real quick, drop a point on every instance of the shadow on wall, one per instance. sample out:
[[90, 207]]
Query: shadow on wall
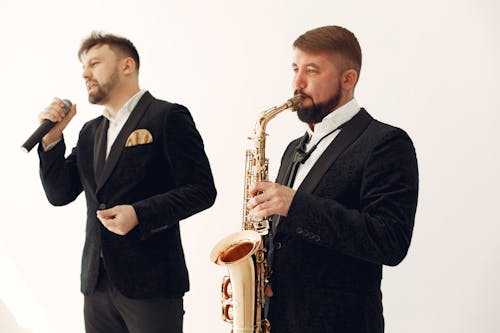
[[8, 323]]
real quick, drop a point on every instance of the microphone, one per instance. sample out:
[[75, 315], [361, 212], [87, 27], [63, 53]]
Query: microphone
[[43, 129]]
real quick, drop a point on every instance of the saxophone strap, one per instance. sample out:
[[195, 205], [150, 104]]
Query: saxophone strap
[[300, 155]]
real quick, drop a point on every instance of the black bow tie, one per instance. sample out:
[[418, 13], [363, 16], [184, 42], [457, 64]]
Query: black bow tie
[[301, 155]]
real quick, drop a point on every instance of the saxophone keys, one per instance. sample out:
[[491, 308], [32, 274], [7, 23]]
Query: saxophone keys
[[227, 313], [227, 290]]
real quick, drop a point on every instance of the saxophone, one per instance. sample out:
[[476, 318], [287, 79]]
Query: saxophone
[[243, 252]]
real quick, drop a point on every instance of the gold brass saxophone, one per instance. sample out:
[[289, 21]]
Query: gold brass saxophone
[[243, 252]]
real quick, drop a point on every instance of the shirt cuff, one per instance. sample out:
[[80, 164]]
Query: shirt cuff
[[49, 147]]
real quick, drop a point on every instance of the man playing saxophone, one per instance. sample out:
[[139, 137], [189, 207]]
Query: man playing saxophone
[[344, 201]]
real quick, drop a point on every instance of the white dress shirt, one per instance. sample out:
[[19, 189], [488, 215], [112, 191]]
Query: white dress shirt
[[328, 124], [116, 123]]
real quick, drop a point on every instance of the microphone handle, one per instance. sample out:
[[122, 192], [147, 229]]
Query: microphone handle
[[40, 132], [43, 129]]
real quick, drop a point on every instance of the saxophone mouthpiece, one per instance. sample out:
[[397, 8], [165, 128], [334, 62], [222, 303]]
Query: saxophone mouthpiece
[[294, 102]]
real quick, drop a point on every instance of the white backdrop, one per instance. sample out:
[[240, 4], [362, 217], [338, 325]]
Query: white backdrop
[[430, 67]]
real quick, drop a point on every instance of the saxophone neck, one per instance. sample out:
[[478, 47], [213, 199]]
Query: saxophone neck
[[267, 115]]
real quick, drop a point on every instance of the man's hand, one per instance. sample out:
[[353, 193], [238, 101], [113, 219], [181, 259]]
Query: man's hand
[[119, 219], [270, 198], [55, 113]]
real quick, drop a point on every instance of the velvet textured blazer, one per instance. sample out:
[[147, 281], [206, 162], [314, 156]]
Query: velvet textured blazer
[[353, 213], [166, 177]]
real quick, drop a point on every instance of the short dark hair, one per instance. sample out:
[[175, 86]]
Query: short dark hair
[[333, 39], [116, 43]]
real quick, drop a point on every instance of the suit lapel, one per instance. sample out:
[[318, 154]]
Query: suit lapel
[[119, 144], [350, 132], [100, 143]]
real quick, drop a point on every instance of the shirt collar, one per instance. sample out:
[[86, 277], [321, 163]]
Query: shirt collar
[[335, 119], [126, 109]]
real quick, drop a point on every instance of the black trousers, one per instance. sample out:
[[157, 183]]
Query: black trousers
[[108, 311]]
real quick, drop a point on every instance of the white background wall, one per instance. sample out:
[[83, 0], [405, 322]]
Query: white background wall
[[430, 67]]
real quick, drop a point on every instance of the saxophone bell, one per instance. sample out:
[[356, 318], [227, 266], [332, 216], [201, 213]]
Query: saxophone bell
[[237, 291], [235, 247]]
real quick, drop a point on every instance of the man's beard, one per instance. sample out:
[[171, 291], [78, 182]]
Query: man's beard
[[101, 93], [316, 112]]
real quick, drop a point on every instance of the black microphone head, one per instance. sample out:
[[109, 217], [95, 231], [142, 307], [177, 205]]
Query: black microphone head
[[67, 105]]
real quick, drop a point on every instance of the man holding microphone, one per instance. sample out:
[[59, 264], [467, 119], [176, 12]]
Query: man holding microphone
[[143, 168]]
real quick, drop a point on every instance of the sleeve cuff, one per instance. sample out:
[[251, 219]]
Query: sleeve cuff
[[49, 147]]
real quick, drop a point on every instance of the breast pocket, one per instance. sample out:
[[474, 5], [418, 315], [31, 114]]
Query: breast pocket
[[134, 163], [136, 156]]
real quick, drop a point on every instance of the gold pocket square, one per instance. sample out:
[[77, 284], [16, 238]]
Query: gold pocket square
[[139, 137]]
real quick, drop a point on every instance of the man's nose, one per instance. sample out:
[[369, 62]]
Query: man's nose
[[298, 81], [85, 73]]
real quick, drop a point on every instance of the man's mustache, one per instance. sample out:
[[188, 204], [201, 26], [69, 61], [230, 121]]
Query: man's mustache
[[303, 96], [298, 92]]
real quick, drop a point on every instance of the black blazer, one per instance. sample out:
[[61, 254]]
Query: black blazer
[[166, 180], [353, 213]]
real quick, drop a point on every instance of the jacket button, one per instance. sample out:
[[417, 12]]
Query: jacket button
[[277, 245], [299, 230], [102, 206]]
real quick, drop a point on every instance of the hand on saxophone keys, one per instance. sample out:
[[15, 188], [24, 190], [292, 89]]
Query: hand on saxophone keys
[[270, 198]]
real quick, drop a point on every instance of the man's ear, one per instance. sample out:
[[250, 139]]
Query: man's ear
[[128, 65], [349, 79]]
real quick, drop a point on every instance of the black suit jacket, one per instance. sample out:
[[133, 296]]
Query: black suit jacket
[[166, 181], [353, 213]]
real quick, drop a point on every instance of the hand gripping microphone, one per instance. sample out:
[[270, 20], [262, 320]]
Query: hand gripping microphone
[[43, 129]]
